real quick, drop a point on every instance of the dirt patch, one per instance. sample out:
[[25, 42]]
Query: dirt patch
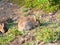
[[7, 10]]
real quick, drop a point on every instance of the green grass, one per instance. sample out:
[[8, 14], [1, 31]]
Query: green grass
[[10, 35], [28, 43], [47, 34], [46, 31], [45, 5]]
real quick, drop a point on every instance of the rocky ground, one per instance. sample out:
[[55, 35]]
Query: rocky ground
[[7, 10]]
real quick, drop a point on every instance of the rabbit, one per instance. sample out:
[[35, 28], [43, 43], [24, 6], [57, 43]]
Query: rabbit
[[27, 23]]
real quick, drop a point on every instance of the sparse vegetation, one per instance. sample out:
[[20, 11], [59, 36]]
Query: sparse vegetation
[[47, 31], [47, 34], [45, 5], [10, 35]]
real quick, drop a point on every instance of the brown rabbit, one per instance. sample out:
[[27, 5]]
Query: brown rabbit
[[2, 28], [27, 23]]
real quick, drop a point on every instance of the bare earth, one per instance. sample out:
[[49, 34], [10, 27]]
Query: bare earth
[[7, 10]]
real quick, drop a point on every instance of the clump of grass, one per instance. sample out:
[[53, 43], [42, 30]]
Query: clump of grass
[[45, 5], [6, 39], [28, 43], [10, 35], [48, 35]]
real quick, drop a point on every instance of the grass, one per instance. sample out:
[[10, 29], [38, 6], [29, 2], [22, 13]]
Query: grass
[[10, 35], [28, 43], [45, 5], [47, 32]]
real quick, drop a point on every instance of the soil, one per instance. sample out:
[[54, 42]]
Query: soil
[[7, 10]]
